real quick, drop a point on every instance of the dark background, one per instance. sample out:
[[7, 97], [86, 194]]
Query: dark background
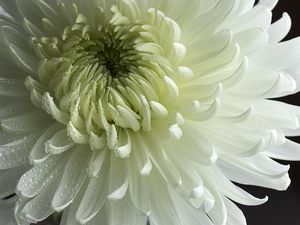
[[283, 208]]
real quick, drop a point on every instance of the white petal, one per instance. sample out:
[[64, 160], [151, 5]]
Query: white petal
[[7, 211], [218, 213], [38, 153], [69, 214], [73, 178], [235, 215], [10, 7], [245, 6], [141, 158], [97, 142], [12, 36], [32, 29], [16, 153], [40, 208], [30, 122], [15, 110], [41, 175], [50, 107], [12, 88], [146, 114], [9, 179], [10, 71], [23, 59], [112, 137], [163, 210], [125, 142], [120, 192], [20, 219], [244, 173], [138, 189], [269, 3], [226, 56], [58, 143], [97, 162], [260, 16], [164, 165], [102, 216], [118, 182], [202, 49], [188, 214], [209, 22], [76, 135], [251, 40], [125, 117], [45, 7], [278, 56], [94, 198], [6, 138], [233, 192], [175, 131], [171, 89], [283, 118], [288, 151], [123, 212], [280, 29], [199, 150]]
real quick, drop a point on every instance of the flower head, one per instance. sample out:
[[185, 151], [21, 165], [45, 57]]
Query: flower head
[[113, 111]]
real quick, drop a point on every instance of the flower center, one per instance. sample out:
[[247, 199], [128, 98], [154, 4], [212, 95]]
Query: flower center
[[116, 59], [104, 78]]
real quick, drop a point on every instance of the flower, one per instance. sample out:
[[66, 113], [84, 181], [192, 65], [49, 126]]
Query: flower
[[118, 111]]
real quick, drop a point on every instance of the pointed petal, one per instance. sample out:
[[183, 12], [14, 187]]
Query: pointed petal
[[73, 178], [41, 175], [16, 153], [29, 122]]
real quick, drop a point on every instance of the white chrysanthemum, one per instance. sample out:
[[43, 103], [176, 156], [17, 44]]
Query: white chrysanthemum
[[113, 111]]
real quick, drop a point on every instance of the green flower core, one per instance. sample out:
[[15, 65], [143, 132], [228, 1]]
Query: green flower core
[[98, 78]]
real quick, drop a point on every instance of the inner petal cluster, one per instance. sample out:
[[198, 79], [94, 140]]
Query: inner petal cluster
[[119, 74]]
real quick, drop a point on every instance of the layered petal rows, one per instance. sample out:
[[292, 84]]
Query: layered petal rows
[[119, 111]]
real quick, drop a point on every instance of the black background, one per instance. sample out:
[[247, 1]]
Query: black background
[[283, 208]]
